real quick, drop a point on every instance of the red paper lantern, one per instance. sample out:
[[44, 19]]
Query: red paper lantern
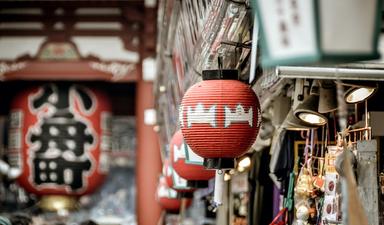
[[220, 118], [60, 137], [195, 174], [168, 198], [176, 182], [167, 173]]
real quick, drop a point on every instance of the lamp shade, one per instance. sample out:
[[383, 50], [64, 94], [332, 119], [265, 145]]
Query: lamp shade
[[358, 94], [357, 91], [307, 111], [291, 122], [168, 198], [327, 99], [220, 118], [193, 171], [310, 31], [60, 138]]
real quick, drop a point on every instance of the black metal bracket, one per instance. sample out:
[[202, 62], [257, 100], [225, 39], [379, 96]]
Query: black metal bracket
[[237, 44]]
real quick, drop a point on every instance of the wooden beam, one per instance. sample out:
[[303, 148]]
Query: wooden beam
[[133, 13], [139, 23], [148, 38], [62, 18], [65, 70], [66, 3], [85, 32]]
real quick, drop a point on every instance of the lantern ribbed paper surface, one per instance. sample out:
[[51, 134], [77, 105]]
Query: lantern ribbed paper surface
[[167, 197], [220, 118], [173, 179], [59, 137], [188, 171]]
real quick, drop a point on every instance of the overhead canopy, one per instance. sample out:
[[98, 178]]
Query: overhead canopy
[[77, 40]]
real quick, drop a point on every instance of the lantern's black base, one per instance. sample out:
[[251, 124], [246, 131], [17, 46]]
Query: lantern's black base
[[219, 163], [185, 194], [197, 183], [226, 74]]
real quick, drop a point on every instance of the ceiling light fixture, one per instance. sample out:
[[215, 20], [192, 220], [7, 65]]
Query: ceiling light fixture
[[307, 111], [358, 94]]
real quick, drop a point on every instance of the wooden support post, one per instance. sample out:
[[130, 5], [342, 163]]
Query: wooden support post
[[148, 161]]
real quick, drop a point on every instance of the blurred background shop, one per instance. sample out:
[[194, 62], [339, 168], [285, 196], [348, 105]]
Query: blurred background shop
[[148, 112]]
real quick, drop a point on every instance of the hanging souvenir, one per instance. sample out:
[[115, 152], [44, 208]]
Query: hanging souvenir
[[304, 185]]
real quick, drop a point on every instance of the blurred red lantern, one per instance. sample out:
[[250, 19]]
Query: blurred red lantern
[[168, 198], [167, 172], [220, 118], [176, 182], [194, 172], [60, 137]]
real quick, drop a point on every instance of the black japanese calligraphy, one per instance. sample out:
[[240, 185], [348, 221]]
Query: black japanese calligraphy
[[60, 139]]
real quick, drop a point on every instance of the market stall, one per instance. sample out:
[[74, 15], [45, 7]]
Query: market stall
[[315, 67]]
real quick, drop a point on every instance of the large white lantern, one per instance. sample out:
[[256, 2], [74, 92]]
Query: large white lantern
[[295, 32]]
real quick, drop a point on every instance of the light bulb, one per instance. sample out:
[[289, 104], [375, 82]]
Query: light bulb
[[312, 118], [245, 162], [358, 94], [227, 177]]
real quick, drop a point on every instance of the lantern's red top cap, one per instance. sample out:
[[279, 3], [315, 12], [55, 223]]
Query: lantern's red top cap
[[227, 74]]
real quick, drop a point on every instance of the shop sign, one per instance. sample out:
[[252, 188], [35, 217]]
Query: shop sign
[[296, 32]]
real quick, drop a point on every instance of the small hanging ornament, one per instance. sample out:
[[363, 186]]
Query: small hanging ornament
[[318, 180], [304, 185], [302, 215]]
